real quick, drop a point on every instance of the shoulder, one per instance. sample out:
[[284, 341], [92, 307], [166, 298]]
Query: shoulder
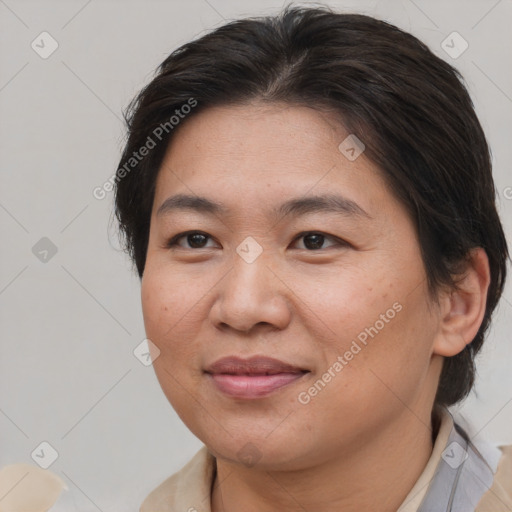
[[499, 497], [187, 489]]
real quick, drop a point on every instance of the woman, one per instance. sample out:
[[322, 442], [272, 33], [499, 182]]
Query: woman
[[309, 204]]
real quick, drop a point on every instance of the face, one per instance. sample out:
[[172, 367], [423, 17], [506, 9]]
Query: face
[[296, 252]]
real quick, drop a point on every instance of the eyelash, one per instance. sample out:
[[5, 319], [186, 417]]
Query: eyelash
[[173, 241]]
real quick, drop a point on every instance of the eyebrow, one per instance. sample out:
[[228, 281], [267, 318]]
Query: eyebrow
[[329, 203]]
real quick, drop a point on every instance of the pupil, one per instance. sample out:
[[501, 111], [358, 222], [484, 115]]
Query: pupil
[[196, 239], [317, 241]]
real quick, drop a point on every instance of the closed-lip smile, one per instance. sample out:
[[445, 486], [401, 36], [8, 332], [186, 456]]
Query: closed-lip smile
[[252, 378]]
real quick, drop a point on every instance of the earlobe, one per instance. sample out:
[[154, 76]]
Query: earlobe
[[462, 310]]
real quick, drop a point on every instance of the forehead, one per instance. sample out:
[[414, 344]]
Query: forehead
[[263, 132], [262, 154]]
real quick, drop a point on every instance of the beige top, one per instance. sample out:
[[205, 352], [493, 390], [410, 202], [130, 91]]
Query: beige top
[[28, 488], [189, 490]]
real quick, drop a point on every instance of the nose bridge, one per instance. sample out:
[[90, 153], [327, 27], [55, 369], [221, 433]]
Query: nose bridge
[[250, 293], [250, 268]]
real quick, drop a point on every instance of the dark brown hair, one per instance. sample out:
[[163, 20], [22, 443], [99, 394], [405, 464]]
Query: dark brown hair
[[409, 107]]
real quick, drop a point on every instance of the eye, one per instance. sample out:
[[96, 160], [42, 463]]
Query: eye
[[194, 239], [314, 240]]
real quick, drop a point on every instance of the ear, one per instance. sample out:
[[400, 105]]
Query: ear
[[462, 310]]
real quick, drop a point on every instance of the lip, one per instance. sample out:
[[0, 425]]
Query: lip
[[252, 378]]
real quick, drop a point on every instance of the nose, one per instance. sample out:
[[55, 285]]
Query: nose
[[251, 296]]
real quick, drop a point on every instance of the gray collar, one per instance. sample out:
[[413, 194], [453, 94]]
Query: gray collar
[[462, 476]]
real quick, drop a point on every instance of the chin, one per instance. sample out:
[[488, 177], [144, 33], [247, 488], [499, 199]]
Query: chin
[[257, 452]]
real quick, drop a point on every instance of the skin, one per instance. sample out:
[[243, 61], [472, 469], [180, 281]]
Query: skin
[[364, 439]]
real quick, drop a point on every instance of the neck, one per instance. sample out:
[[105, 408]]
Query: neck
[[377, 475]]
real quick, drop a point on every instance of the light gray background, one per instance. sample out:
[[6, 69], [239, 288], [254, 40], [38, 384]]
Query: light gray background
[[69, 326]]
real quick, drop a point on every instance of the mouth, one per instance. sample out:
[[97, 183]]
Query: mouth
[[252, 378]]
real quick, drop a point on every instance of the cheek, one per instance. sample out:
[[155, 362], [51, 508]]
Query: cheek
[[379, 375], [156, 306], [342, 305], [383, 331], [168, 303], [396, 357], [170, 308]]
